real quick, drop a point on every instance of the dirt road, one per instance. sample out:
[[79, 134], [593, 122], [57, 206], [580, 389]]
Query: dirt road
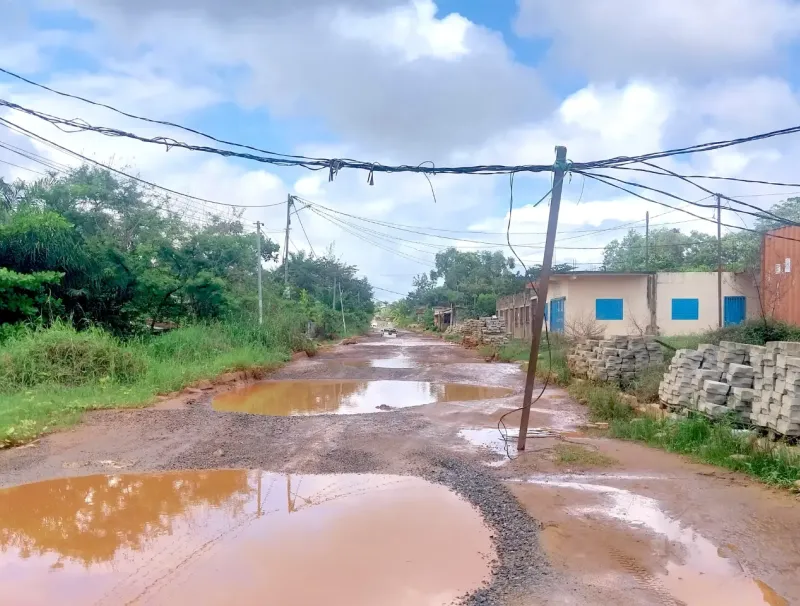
[[576, 519]]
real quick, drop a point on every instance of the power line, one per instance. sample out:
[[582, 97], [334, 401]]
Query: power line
[[11, 125], [755, 231], [303, 227], [38, 172], [394, 292]]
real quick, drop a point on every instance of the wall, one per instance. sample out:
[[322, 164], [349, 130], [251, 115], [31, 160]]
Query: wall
[[780, 289], [701, 286], [516, 311], [581, 291]]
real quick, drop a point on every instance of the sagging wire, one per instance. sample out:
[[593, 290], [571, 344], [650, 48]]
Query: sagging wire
[[504, 430]]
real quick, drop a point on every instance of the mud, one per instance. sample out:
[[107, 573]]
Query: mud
[[240, 537], [285, 398], [651, 529]]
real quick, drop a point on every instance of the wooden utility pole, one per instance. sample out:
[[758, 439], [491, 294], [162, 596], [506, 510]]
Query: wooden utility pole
[[260, 291], [341, 304], [541, 300], [647, 241], [333, 299], [286, 242], [719, 258]]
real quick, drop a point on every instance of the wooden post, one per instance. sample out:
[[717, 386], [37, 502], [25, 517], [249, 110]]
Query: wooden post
[[544, 279], [719, 258]]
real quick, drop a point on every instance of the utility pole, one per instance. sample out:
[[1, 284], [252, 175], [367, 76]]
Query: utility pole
[[260, 291], [719, 258], [647, 241], [333, 299], [541, 300], [341, 304], [286, 242]]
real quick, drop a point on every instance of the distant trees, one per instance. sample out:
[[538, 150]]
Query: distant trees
[[97, 249]]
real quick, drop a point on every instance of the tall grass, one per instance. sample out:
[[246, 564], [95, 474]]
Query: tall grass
[[48, 376]]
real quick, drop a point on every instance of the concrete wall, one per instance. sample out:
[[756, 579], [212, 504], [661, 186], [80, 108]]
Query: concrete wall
[[517, 313], [701, 286], [581, 292]]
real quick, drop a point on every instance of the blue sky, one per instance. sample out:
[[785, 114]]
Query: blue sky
[[405, 81]]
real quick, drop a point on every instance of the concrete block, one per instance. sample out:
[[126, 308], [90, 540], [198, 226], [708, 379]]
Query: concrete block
[[716, 387]]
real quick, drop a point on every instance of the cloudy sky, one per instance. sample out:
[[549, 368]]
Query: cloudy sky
[[412, 81]]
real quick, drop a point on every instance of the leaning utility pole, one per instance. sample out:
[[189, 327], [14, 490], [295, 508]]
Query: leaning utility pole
[[719, 259], [260, 291], [541, 300], [647, 241], [286, 242]]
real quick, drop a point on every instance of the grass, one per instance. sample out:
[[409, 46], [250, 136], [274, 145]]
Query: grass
[[50, 376], [579, 456], [715, 443], [718, 443]]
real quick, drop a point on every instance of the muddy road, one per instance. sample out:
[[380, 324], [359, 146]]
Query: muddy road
[[393, 438]]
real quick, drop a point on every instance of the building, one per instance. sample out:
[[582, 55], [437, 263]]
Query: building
[[780, 292], [444, 317], [665, 303]]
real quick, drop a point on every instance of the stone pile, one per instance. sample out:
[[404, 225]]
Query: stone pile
[[760, 385], [481, 331], [776, 404], [617, 358]]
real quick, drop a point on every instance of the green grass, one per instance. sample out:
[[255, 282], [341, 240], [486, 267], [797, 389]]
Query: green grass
[[715, 443], [603, 400], [50, 376], [579, 456]]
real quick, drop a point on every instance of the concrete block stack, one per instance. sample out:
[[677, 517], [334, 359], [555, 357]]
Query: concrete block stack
[[480, 331], [761, 385], [616, 358], [680, 382], [776, 404]]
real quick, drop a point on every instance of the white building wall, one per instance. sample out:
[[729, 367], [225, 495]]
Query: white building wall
[[582, 291], [703, 287]]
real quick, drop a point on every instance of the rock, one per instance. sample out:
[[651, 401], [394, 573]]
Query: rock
[[193, 390], [219, 453], [384, 407], [350, 341], [738, 457]]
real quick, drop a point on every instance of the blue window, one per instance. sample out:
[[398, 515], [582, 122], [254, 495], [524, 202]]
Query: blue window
[[685, 309], [608, 309]]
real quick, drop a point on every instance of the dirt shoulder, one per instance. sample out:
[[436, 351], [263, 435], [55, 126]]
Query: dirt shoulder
[[558, 516]]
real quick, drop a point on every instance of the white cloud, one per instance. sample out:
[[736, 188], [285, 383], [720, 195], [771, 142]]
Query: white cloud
[[685, 37]]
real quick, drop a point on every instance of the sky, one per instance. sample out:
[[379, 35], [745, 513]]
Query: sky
[[413, 81]]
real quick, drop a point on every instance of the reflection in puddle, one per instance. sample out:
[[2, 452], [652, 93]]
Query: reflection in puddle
[[490, 438], [346, 397], [239, 537], [395, 362], [698, 574]]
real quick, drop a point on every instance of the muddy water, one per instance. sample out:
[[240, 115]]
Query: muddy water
[[693, 570], [239, 537], [394, 362], [346, 397]]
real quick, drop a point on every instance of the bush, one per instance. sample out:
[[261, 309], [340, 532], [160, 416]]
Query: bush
[[603, 400], [60, 354], [645, 384]]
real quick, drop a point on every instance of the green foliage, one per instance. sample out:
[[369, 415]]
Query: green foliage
[[61, 355], [23, 295], [427, 320], [718, 443], [644, 385], [603, 400]]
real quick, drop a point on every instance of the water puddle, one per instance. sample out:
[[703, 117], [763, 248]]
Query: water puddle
[[239, 537], [395, 362], [698, 573], [285, 398]]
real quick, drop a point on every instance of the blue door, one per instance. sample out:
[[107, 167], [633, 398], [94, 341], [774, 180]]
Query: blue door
[[557, 315], [734, 310]]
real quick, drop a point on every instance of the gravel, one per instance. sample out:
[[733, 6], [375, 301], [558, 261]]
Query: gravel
[[521, 567]]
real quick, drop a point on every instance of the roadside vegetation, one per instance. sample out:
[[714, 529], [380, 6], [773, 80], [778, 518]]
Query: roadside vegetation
[[109, 298]]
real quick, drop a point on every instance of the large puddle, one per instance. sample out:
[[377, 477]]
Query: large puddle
[[697, 572], [239, 537], [346, 397]]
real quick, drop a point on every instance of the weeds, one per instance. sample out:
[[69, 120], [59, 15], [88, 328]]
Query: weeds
[[578, 456], [717, 443], [49, 376], [604, 401]]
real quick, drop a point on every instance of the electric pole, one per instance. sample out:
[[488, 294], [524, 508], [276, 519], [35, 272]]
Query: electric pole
[[333, 299], [647, 241], [341, 304], [541, 300], [260, 291], [719, 259], [286, 242]]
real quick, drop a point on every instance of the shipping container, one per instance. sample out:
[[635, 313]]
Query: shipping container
[[780, 291]]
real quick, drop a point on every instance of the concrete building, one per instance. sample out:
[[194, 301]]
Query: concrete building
[[634, 303]]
